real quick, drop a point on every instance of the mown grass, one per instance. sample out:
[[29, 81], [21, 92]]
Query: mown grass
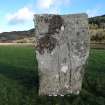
[[19, 79]]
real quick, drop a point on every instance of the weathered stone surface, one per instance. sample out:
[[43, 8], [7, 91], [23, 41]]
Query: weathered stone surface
[[62, 51]]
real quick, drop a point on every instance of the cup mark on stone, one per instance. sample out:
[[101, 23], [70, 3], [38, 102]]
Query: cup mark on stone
[[77, 22], [83, 31], [78, 33]]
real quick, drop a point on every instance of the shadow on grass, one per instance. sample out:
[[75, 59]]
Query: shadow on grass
[[23, 76], [91, 94]]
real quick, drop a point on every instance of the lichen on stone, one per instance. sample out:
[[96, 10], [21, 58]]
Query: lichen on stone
[[55, 24], [64, 68], [46, 43]]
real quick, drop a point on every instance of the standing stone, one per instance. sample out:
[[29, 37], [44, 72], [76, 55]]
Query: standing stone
[[62, 50]]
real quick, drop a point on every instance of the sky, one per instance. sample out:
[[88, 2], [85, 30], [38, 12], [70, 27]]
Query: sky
[[17, 15]]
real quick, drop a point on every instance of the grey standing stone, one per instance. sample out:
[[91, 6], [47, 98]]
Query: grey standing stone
[[62, 50]]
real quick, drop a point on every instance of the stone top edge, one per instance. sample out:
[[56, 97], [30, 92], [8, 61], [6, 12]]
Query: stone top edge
[[78, 14]]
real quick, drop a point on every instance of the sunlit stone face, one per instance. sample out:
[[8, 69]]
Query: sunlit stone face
[[62, 51]]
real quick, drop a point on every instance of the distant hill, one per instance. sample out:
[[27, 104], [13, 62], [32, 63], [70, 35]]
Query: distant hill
[[16, 35], [98, 20], [97, 29]]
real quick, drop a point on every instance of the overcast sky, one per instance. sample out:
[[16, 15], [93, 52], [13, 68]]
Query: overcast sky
[[18, 14]]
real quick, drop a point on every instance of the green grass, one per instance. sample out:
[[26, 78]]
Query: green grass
[[19, 79]]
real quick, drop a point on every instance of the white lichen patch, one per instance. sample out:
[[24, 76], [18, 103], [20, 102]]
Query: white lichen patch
[[66, 86], [50, 95], [78, 92], [52, 52], [62, 95], [64, 68], [42, 62], [62, 28], [57, 76], [55, 95]]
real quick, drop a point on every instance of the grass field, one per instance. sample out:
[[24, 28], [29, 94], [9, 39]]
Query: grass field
[[19, 79]]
